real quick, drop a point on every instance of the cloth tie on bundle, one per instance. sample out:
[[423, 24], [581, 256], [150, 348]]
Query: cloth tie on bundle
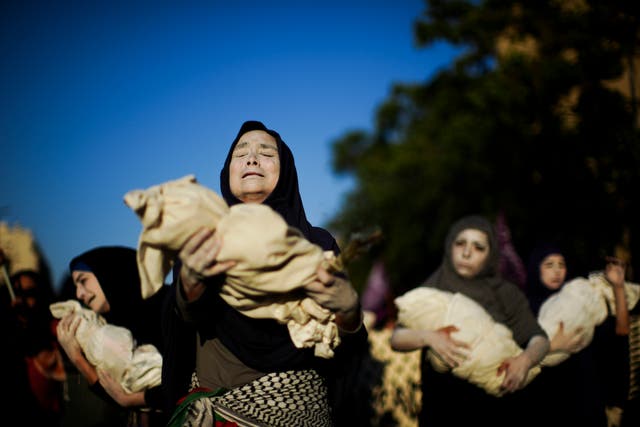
[[490, 343], [112, 348], [273, 260]]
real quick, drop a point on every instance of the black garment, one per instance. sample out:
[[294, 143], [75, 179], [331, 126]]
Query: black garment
[[446, 399], [262, 344], [611, 359], [19, 405], [576, 391], [116, 269], [27, 331], [566, 394]]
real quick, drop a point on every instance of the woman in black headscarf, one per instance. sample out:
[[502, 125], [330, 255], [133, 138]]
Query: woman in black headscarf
[[469, 267], [251, 370], [107, 281], [546, 259], [574, 392]]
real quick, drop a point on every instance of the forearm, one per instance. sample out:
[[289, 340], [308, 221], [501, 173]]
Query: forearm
[[350, 321], [614, 274], [85, 368], [191, 311], [404, 339], [132, 400], [537, 349], [622, 311], [191, 289]]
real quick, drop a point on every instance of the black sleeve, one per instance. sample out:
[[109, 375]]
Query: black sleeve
[[342, 377], [101, 392], [178, 358], [520, 318], [612, 361], [154, 398]]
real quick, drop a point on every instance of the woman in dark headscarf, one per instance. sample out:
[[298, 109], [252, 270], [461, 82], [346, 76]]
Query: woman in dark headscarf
[[572, 392], [107, 281], [469, 267], [251, 370], [547, 259]]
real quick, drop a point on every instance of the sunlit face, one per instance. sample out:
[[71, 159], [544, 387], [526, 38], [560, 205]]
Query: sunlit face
[[469, 252], [254, 167], [89, 291], [553, 271]]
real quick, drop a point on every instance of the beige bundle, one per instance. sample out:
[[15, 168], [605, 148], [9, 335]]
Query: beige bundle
[[112, 349], [490, 343], [273, 260], [581, 303]]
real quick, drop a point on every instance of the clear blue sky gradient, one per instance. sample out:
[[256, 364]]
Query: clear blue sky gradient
[[99, 98]]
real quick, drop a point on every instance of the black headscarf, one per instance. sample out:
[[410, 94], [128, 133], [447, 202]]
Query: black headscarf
[[285, 197], [116, 269], [536, 291]]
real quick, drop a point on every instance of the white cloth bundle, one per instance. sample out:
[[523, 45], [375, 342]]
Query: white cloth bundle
[[273, 259], [581, 303], [113, 349], [490, 342]]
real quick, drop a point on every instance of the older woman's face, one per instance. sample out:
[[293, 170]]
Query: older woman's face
[[255, 167], [89, 291], [469, 252]]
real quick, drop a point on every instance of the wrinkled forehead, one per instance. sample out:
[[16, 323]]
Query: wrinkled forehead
[[258, 138]]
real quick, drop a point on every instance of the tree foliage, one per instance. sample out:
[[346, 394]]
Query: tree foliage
[[524, 121]]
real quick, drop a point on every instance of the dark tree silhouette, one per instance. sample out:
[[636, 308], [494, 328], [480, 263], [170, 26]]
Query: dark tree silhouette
[[536, 117]]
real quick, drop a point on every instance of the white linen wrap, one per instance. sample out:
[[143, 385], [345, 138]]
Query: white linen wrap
[[113, 349], [581, 303], [273, 260], [490, 342]]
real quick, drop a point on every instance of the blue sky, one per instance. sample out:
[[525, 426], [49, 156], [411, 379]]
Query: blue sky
[[99, 98]]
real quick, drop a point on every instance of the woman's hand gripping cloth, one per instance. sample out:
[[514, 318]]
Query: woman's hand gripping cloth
[[581, 303], [273, 260], [113, 349], [490, 342]]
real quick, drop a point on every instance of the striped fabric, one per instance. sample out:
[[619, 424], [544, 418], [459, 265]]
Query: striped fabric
[[282, 399]]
